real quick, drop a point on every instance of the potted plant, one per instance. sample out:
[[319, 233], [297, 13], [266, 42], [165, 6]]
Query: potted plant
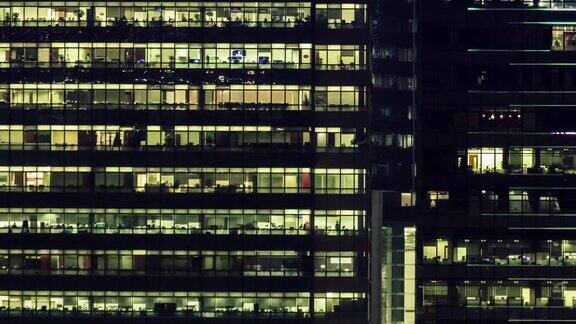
[[79, 14]]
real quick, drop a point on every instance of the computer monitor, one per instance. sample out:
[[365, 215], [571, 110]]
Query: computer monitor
[[238, 53]]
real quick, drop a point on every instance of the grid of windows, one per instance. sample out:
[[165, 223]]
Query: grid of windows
[[181, 56], [184, 159], [516, 160], [497, 296], [182, 14], [159, 55], [181, 97], [181, 138], [272, 305], [179, 263], [555, 253], [182, 180], [182, 221]]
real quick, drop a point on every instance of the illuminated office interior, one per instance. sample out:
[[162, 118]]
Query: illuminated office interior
[[184, 161]]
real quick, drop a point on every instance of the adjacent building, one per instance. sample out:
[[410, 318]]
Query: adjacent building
[[392, 125], [495, 232]]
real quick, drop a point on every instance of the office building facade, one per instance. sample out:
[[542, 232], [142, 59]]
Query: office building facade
[[495, 232], [184, 161]]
